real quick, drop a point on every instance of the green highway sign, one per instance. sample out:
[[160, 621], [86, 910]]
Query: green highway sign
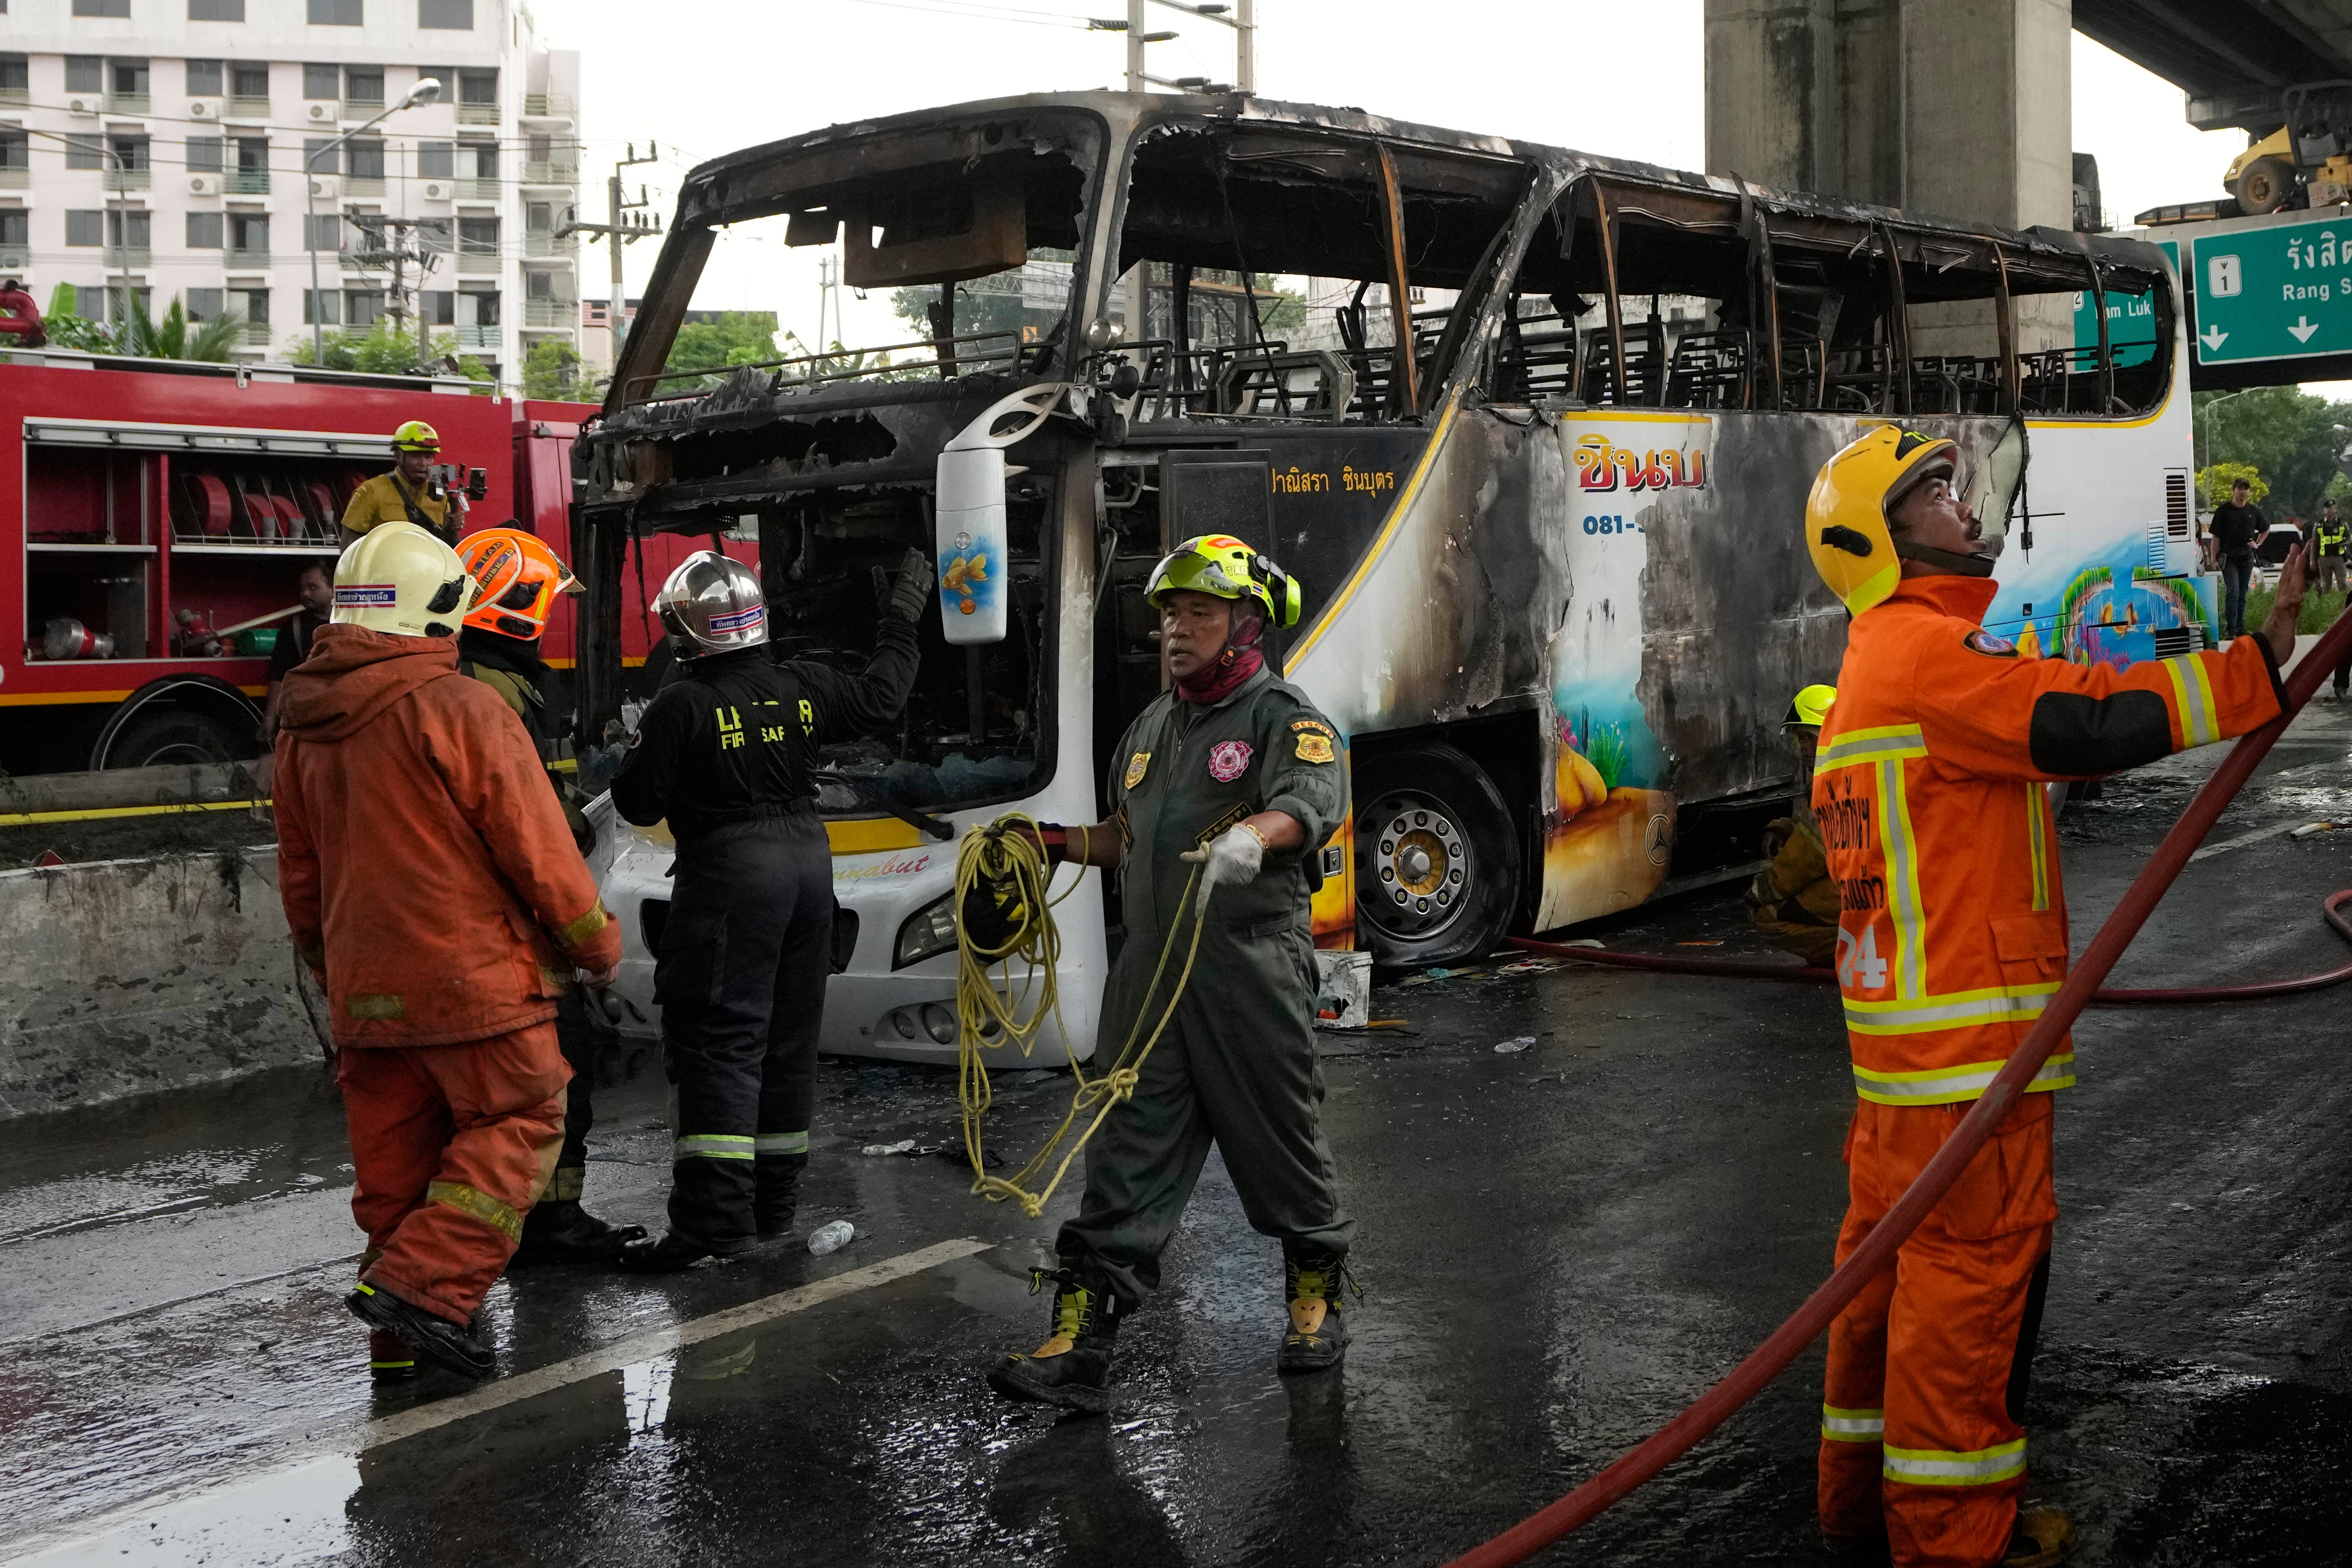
[[2275, 292]]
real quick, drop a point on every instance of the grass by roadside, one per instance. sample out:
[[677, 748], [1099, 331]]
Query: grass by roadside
[[2319, 610]]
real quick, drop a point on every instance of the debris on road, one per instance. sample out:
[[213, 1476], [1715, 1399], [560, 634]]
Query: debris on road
[[830, 1237], [1520, 1044]]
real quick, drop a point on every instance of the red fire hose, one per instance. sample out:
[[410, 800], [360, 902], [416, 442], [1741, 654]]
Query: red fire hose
[[1877, 1250], [2331, 909]]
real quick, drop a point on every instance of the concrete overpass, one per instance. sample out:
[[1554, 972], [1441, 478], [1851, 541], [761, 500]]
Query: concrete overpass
[[2234, 59]]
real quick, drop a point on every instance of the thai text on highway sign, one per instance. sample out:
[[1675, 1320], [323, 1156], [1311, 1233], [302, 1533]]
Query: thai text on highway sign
[[2281, 292]]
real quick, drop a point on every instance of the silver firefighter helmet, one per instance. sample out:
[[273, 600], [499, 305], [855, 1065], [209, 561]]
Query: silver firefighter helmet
[[711, 605]]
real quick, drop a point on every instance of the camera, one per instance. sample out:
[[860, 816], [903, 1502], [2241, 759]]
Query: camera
[[445, 476]]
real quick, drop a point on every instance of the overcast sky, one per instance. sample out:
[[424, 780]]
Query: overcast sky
[[706, 77]]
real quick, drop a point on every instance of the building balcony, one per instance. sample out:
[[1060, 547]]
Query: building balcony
[[248, 109], [129, 179], [362, 185], [14, 179], [473, 337], [126, 103], [477, 190], [17, 95], [252, 334], [477, 114], [353, 110], [547, 106], [550, 172], [473, 262], [551, 313], [246, 183], [546, 245], [245, 260], [121, 257]]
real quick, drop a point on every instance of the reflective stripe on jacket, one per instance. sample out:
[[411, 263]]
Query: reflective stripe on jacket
[[1928, 788]]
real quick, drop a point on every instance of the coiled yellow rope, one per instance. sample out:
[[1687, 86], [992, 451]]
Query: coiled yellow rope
[[989, 1016]]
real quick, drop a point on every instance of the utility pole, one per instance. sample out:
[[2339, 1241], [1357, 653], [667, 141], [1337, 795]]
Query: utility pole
[[624, 229]]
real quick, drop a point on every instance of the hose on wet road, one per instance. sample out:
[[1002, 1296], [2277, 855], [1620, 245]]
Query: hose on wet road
[[1877, 1250]]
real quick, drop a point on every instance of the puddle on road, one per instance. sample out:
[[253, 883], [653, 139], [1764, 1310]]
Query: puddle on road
[[276, 1520]]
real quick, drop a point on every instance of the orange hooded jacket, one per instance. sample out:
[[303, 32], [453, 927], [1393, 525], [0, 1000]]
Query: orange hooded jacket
[[1929, 786], [422, 858]]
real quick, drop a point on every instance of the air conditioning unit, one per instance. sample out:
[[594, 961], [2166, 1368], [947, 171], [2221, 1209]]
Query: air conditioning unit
[[437, 191], [204, 185], [15, 260], [83, 103], [323, 186], [321, 114], [203, 109]]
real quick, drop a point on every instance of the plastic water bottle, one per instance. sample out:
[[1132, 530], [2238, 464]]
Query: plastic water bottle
[[831, 1237]]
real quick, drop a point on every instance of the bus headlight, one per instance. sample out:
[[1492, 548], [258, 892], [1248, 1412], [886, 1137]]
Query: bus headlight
[[929, 932]]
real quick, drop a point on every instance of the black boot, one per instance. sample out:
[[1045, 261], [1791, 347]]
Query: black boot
[[1317, 1335], [435, 1337], [558, 1230], [673, 1253], [1072, 1368], [391, 1359], [776, 1196]]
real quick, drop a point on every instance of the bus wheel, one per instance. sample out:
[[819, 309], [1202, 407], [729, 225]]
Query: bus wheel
[[1437, 866], [175, 737]]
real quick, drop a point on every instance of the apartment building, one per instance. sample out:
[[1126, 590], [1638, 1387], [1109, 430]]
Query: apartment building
[[188, 149]]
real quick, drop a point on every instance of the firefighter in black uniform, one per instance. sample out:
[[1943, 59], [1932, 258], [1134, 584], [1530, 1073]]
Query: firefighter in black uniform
[[498, 645], [727, 752]]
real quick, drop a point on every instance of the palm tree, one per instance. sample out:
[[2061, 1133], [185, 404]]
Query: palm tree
[[176, 337]]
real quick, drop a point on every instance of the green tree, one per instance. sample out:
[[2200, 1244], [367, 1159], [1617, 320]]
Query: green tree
[[552, 369], [2289, 434], [737, 337], [174, 337], [388, 349], [2213, 483]]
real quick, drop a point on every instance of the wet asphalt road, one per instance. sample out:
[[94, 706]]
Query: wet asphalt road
[[1560, 1246]]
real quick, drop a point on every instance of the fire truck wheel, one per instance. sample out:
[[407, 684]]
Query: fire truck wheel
[[171, 737], [1437, 865]]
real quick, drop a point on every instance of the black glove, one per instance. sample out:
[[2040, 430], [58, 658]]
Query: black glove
[[912, 590]]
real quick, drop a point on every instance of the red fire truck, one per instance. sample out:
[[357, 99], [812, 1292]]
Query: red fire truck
[[158, 515]]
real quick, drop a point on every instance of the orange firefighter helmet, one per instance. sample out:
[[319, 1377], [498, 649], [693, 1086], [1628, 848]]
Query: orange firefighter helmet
[[521, 577]]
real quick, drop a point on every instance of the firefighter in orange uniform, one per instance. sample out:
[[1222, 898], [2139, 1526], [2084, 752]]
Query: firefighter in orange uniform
[[1929, 786]]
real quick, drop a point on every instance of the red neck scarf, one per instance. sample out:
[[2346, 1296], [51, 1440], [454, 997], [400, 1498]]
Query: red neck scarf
[[1224, 675]]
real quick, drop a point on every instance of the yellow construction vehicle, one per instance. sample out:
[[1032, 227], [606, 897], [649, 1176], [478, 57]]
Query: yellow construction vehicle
[[2306, 160]]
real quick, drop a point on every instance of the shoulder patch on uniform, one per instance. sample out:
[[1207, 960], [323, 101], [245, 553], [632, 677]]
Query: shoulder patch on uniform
[[1314, 746], [1310, 724], [1228, 760], [1136, 766], [1985, 643]]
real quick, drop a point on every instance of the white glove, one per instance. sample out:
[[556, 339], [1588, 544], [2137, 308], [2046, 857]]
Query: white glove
[[1234, 856]]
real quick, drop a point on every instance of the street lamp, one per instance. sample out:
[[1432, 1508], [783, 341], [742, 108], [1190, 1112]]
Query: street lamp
[[2206, 416], [423, 93]]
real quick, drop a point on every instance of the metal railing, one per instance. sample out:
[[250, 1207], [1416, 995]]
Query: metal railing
[[473, 261], [547, 105], [253, 334], [126, 103], [477, 114], [353, 108], [1004, 351], [129, 179], [473, 337], [120, 257], [246, 259], [13, 178], [548, 244], [248, 109], [545, 313], [15, 95], [247, 182], [477, 190], [362, 185], [551, 172]]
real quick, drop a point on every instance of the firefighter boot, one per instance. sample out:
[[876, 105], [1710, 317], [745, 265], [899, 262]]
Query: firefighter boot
[[1317, 1335], [558, 1230], [1072, 1368], [391, 1359], [673, 1253], [776, 1194], [436, 1338], [2043, 1536]]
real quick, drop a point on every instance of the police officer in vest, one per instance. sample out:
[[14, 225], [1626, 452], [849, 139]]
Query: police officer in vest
[[1222, 793], [727, 752], [2330, 538]]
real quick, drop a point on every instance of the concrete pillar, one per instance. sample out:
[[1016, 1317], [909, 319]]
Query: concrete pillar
[[1955, 109]]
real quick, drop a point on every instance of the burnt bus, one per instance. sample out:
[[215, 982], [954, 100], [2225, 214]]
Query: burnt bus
[[1533, 428]]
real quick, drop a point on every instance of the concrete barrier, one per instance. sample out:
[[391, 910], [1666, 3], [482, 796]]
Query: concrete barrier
[[131, 977]]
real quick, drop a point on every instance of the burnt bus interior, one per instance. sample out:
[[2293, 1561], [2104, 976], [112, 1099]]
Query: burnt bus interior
[[977, 214]]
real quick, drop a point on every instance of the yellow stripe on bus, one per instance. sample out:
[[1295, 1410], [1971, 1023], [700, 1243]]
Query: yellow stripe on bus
[[1381, 541]]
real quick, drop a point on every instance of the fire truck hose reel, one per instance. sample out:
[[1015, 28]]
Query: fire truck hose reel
[[1877, 1251], [1004, 914]]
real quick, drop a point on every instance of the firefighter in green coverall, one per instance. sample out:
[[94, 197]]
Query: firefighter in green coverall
[[1234, 776]]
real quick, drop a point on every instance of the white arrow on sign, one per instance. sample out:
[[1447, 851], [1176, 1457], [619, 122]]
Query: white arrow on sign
[[2212, 337], [2303, 328]]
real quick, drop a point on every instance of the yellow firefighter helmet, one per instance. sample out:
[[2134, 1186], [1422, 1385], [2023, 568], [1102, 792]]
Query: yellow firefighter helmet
[[1845, 517]]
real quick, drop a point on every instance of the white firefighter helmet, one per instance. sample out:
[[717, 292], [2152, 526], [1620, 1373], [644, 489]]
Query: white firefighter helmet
[[398, 578], [712, 605]]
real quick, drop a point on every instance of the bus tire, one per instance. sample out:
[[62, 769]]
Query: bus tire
[[1437, 862], [173, 737]]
